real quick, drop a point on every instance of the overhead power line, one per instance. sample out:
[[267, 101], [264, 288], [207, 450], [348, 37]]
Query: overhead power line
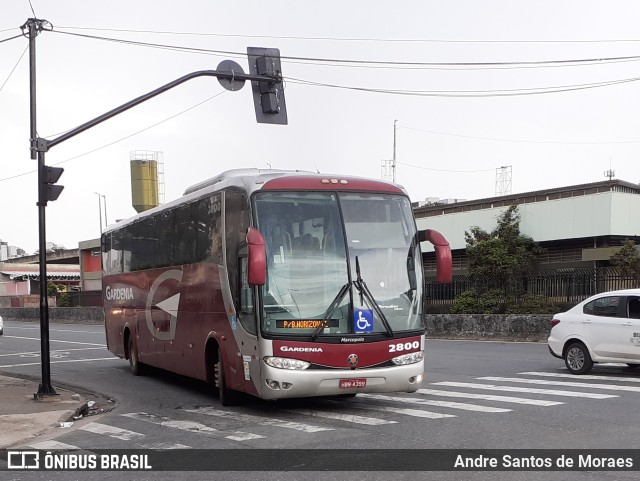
[[119, 140], [493, 139], [447, 170], [14, 68], [467, 93], [343, 39], [376, 63], [10, 38]]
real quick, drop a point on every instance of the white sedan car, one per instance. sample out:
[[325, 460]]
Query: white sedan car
[[603, 328]]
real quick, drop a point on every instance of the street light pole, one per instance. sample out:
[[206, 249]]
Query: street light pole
[[34, 26], [106, 222], [100, 210]]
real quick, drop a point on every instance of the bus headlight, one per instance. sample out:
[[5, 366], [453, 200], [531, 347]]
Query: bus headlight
[[408, 358], [286, 363]]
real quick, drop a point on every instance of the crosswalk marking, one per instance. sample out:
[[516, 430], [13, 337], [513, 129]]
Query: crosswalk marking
[[582, 376], [419, 413], [307, 428], [189, 426], [126, 435], [561, 383], [489, 397], [112, 431], [163, 421], [52, 445], [350, 418], [550, 392], [453, 405]]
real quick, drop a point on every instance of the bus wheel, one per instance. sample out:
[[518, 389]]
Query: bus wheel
[[135, 366], [228, 397]]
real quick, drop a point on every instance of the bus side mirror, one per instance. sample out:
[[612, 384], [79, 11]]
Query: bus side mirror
[[444, 263], [257, 258]]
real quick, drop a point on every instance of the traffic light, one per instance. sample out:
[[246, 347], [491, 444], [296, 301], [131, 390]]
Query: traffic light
[[268, 96], [50, 176]]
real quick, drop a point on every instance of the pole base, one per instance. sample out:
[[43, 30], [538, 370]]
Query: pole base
[[45, 390]]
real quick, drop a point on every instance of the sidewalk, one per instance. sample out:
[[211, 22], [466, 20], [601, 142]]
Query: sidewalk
[[25, 420]]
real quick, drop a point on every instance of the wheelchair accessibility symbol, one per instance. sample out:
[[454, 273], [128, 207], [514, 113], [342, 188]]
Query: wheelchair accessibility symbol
[[363, 320]]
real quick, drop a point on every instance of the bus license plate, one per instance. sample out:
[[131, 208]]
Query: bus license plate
[[351, 383]]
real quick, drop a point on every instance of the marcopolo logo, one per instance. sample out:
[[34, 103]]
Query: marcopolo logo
[[300, 349], [118, 293]]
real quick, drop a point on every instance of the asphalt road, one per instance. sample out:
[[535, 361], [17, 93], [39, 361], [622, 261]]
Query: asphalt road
[[477, 395]]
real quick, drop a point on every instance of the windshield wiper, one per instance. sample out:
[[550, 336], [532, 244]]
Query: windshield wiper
[[330, 310], [361, 285]]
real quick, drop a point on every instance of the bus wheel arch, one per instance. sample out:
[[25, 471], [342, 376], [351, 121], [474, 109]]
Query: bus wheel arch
[[216, 375], [132, 354]]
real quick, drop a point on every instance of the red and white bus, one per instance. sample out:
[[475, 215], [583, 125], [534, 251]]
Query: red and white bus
[[274, 283]]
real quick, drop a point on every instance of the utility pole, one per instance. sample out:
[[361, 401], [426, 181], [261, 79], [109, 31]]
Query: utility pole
[[34, 26], [393, 166]]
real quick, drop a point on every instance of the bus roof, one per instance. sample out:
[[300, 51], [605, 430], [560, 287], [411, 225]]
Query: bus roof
[[252, 179]]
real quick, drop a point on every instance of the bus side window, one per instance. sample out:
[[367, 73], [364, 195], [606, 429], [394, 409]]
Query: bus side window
[[247, 311]]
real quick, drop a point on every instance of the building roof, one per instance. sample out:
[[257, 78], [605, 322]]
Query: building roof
[[529, 197], [55, 272]]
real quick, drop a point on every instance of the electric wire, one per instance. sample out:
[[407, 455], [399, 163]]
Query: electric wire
[[445, 170], [32, 10], [14, 68], [10, 38], [372, 63], [121, 139], [493, 139], [468, 93], [345, 39]]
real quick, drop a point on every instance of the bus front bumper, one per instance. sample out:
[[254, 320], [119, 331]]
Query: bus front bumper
[[284, 383]]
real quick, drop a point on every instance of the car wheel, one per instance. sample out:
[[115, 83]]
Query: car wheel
[[577, 358], [135, 366], [228, 397], [1, 332]]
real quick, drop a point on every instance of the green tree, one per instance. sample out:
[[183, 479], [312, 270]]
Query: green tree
[[501, 256], [499, 261], [627, 260]]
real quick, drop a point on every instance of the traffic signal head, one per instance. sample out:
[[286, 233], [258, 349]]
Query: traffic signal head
[[50, 191], [268, 96]]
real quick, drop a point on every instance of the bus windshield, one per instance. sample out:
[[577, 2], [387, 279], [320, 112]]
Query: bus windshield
[[339, 263]]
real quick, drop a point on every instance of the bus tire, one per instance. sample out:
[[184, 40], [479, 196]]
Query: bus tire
[[135, 366], [227, 396]]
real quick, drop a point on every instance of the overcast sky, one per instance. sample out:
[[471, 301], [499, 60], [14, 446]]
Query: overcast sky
[[466, 122]]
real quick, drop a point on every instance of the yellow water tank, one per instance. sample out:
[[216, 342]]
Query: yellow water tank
[[144, 184]]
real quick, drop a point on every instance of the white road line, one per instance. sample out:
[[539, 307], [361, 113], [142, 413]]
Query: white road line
[[582, 376], [307, 428], [68, 360], [418, 413], [112, 431], [189, 426], [561, 383], [56, 340], [126, 435], [52, 445], [550, 392], [488, 397], [424, 402], [37, 353], [349, 418]]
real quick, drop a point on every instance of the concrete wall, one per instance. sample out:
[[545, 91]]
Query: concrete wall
[[516, 327], [444, 326]]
